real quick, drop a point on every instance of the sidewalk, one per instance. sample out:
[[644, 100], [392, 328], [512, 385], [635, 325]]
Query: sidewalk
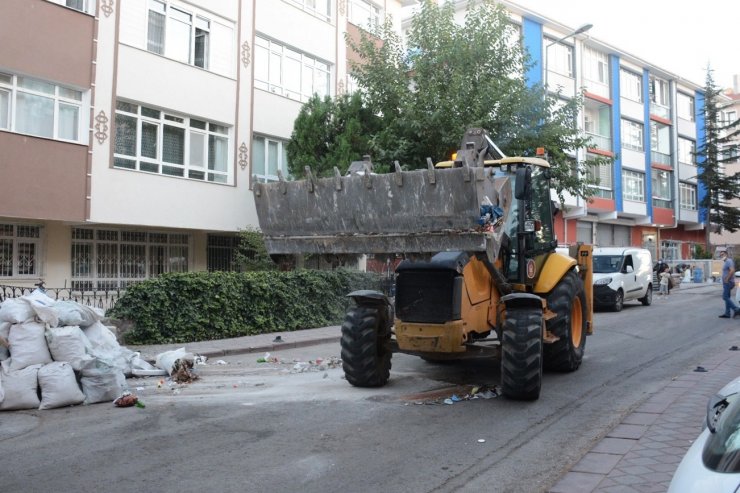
[[639, 455]]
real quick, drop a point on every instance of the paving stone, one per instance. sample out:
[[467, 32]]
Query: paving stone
[[640, 418], [577, 482], [633, 432], [613, 446], [594, 462]]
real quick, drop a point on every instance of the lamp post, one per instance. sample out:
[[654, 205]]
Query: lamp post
[[578, 31]]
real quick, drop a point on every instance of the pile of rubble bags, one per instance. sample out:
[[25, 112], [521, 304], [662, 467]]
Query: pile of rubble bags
[[59, 353]]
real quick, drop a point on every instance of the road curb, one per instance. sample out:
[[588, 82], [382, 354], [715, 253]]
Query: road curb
[[269, 347]]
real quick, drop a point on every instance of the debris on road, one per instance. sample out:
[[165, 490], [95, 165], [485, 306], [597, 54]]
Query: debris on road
[[466, 393]]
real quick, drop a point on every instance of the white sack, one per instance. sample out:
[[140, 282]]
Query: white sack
[[2, 392], [68, 344], [28, 345], [106, 348], [43, 308], [16, 311], [73, 313], [4, 342], [59, 386], [101, 382], [21, 388], [166, 361]]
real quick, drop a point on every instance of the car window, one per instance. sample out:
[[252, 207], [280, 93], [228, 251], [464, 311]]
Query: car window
[[722, 451]]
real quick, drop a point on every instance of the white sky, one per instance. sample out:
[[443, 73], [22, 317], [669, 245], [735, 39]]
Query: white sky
[[679, 36]]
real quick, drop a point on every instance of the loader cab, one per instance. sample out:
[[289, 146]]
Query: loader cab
[[529, 225]]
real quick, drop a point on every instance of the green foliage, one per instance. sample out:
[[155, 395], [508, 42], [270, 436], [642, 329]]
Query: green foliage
[[197, 306], [716, 150], [330, 132], [701, 253], [251, 254], [449, 78]]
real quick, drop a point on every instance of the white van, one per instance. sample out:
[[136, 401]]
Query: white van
[[622, 274]]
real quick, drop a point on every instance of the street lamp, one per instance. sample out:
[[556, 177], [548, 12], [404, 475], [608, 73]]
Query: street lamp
[[578, 31]]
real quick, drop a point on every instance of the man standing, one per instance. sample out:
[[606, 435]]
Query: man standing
[[728, 282]]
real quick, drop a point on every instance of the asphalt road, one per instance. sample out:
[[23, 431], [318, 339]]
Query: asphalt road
[[295, 425]]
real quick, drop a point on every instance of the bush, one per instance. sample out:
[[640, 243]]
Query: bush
[[197, 306]]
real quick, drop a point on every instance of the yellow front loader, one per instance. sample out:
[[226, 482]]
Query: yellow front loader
[[481, 276]]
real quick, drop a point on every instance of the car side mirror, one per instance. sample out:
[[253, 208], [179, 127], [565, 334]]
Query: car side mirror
[[628, 269]]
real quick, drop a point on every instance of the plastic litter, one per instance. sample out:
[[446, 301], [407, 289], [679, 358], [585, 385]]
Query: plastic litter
[[127, 399], [481, 440]]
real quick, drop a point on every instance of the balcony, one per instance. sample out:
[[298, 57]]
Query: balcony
[[664, 203], [601, 142], [660, 158], [660, 111]]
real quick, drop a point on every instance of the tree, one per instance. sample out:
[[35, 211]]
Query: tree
[[449, 78], [330, 132], [717, 148]]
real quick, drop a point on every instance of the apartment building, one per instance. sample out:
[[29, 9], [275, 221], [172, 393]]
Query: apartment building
[[131, 132], [647, 119]]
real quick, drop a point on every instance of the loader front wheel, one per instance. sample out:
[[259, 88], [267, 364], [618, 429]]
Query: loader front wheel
[[521, 354], [568, 301], [365, 343]]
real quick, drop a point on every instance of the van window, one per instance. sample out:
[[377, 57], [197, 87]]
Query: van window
[[604, 264], [628, 262]]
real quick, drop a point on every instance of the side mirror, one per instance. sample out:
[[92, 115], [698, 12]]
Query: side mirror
[[628, 269], [523, 187]]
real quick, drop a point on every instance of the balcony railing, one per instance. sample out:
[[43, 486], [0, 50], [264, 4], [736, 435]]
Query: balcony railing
[[660, 110], [97, 298], [660, 158], [600, 142], [665, 203]]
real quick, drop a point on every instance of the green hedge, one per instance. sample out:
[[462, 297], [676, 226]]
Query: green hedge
[[198, 306]]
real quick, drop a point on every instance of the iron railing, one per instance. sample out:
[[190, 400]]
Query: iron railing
[[103, 299]]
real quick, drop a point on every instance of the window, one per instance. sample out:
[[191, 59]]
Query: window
[[559, 58], [35, 107], [112, 259], [178, 34], [269, 156], [685, 106], [603, 174], [321, 8], [220, 253], [661, 188], [595, 66], [154, 141], [686, 151], [633, 186], [288, 72], [363, 13], [728, 117], [660, 143], [20, 250], [630, 85], [688, 196], [87, 6], [659, 97], [632, 135]]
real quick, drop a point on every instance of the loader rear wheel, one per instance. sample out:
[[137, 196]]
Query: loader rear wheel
[[568, 301], [521, 354], [366, 353]]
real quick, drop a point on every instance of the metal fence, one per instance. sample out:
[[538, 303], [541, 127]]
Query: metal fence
[[96, 298]]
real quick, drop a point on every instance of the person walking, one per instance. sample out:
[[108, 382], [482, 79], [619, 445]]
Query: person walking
[[728, 282], [664, 280]]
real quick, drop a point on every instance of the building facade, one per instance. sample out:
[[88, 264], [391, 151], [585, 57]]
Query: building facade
[[131, 132], [647, 119]]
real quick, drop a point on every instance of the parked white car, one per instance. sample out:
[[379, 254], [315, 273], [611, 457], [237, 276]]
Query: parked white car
[[712, 464]]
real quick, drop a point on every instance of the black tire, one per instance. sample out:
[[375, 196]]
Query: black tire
[[366, 353], [521, 354], [618, 301], [647, 300], [568, 301]]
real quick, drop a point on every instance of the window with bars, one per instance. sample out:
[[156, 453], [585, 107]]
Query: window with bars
[[155, 141], [104, 259], [220, 252], [43, 109], [20, 250], [288, 72]]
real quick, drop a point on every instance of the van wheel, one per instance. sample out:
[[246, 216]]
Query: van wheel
[[648, 298], [618, 301], [568, 301]]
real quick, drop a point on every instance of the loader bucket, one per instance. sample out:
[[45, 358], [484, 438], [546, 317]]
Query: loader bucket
[[419, 211]]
